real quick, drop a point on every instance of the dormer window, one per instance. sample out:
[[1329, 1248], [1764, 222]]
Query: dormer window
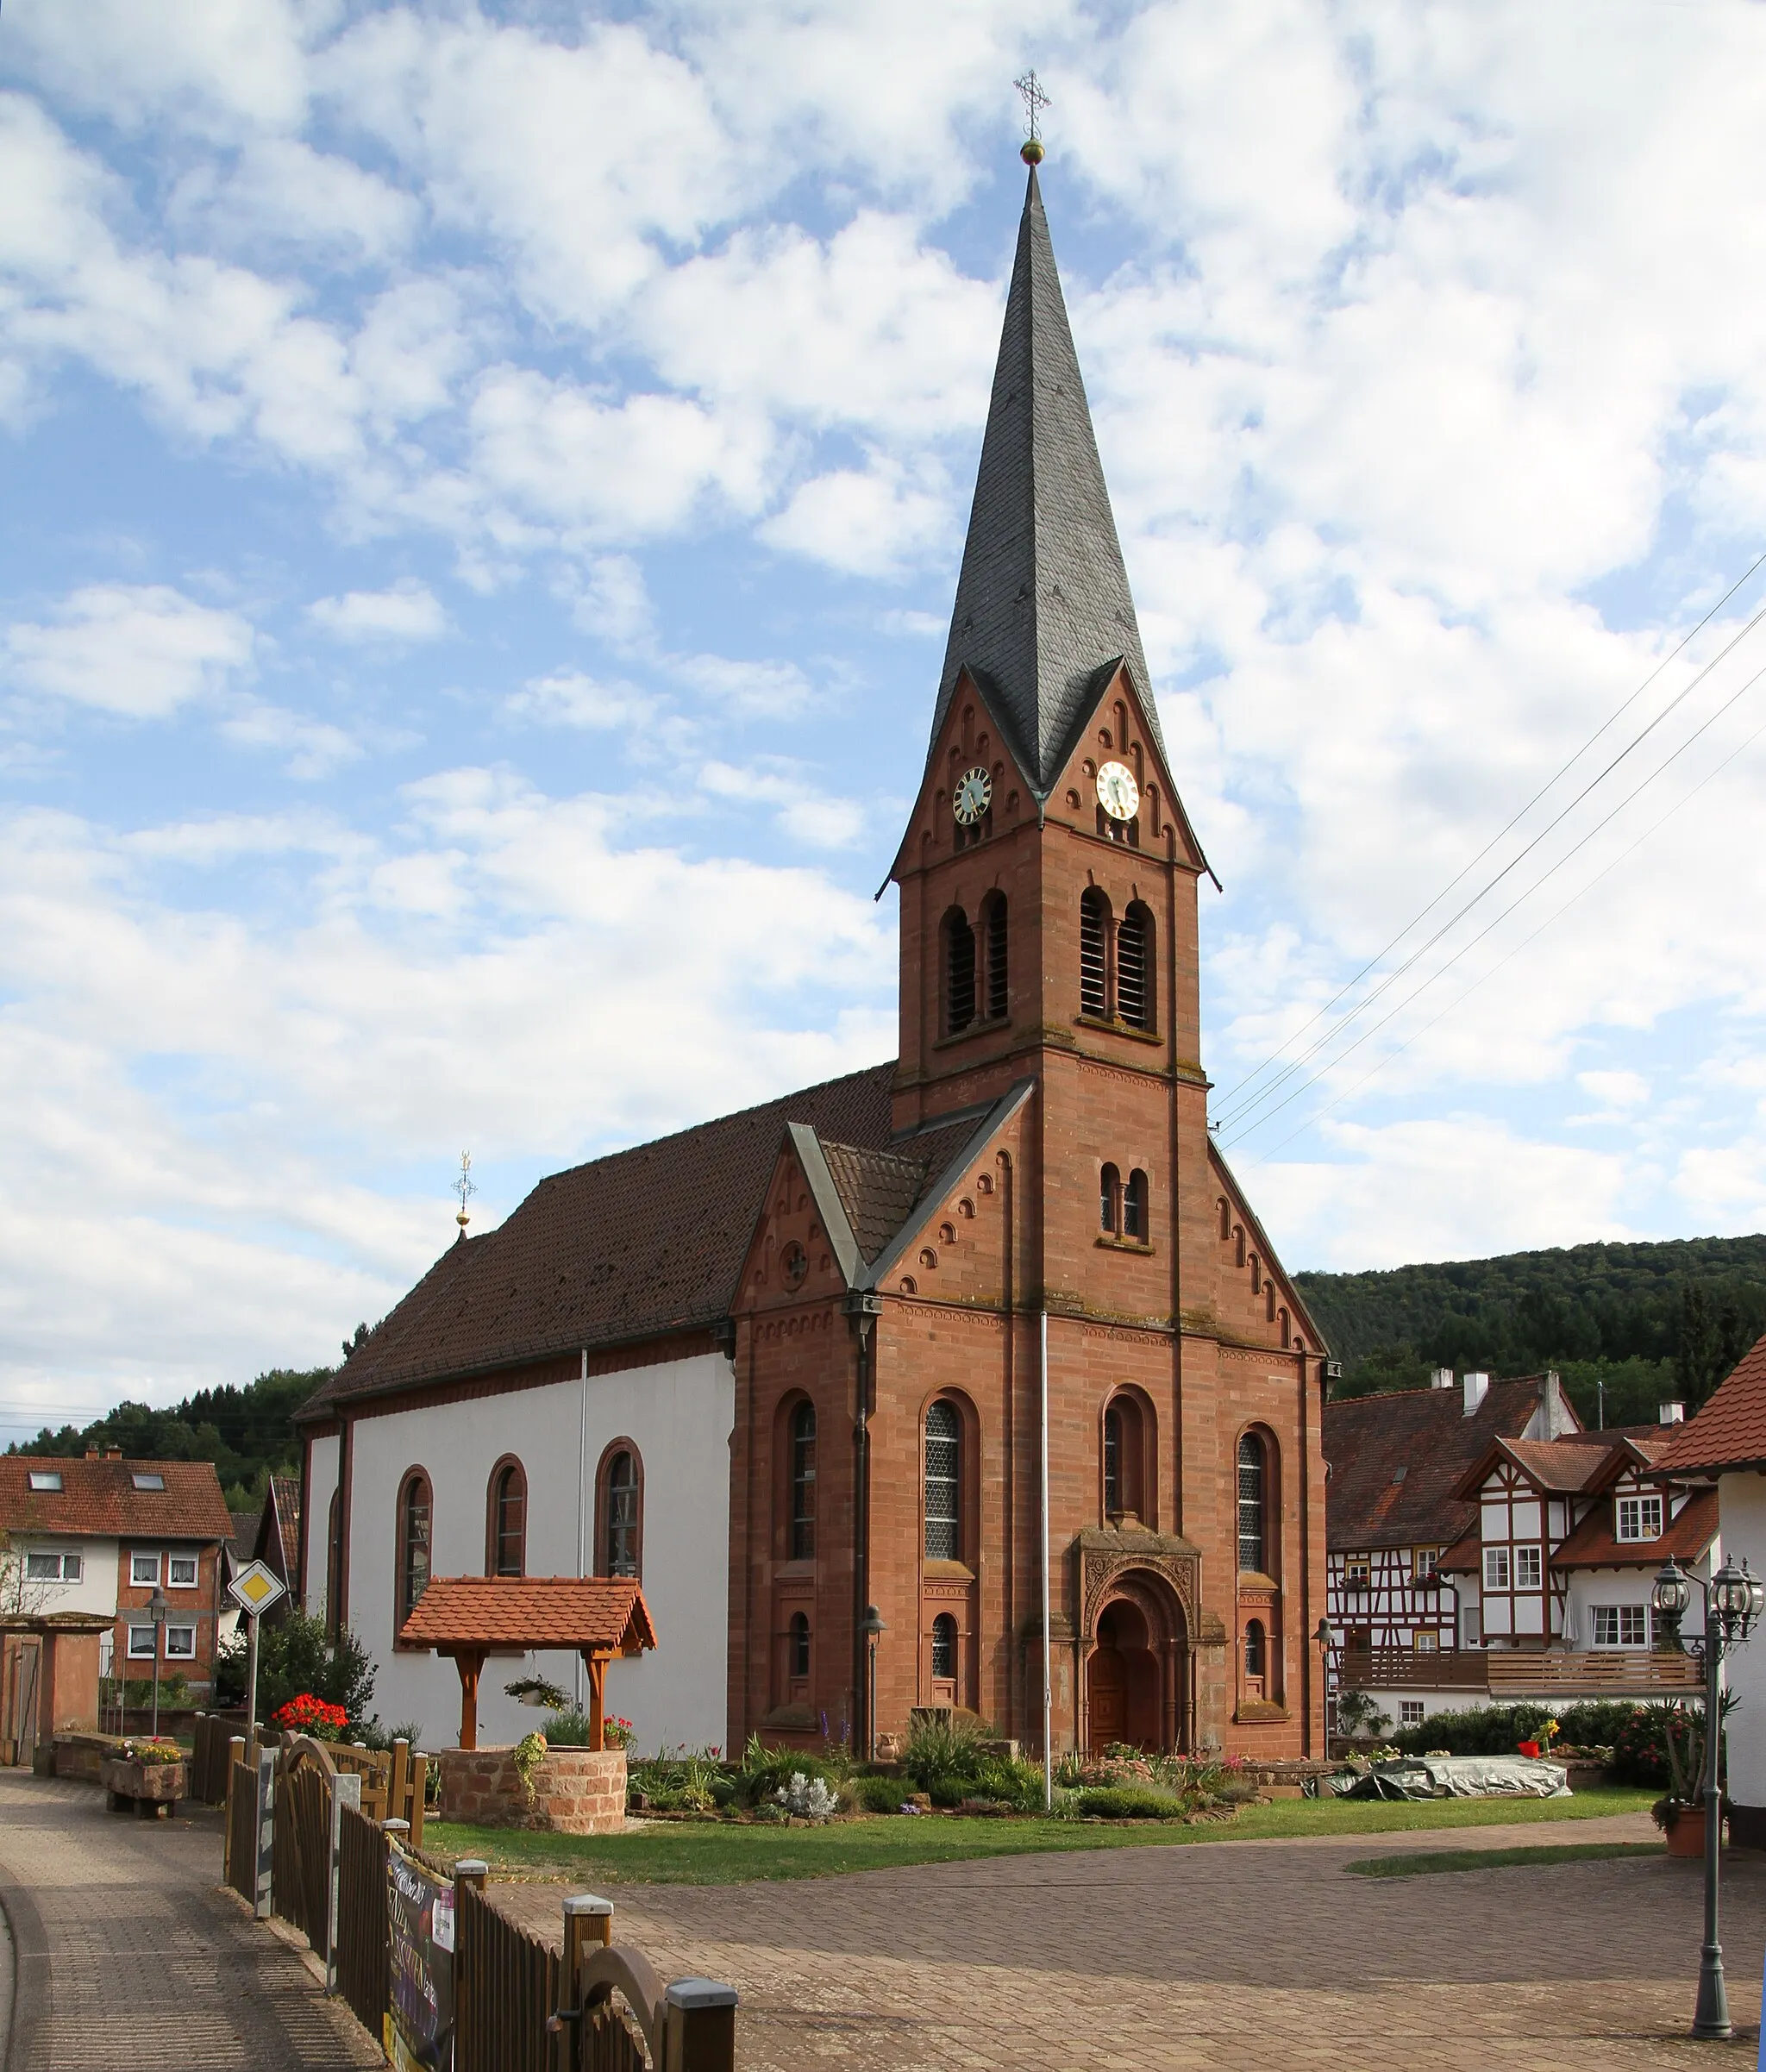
[[1639, 1518], [46, 1478], [144, 1480]]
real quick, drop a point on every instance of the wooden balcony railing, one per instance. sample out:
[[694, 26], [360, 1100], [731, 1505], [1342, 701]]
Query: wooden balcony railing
[[1509, 1674]]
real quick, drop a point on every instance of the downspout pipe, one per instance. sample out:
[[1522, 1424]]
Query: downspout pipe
[[1047, 1638], [582, 1471]]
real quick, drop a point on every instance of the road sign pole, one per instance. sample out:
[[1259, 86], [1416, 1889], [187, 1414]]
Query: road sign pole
[[251, 1683]]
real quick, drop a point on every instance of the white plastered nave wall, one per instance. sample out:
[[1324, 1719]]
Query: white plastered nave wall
[[323, 1458], [680, 1414]]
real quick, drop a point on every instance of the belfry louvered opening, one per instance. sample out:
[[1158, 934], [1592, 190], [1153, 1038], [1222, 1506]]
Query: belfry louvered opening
[[1134, 968], [959, 972], [1094, 911], [993, 937]]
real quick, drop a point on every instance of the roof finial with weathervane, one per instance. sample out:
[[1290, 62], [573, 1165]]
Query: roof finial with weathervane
[[1030, 87], [463, 1187]]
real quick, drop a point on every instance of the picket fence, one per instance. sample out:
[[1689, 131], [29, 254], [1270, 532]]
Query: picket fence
[[299, 1843]]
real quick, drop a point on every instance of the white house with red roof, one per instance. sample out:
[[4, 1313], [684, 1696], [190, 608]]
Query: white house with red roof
[[1723, 1450]]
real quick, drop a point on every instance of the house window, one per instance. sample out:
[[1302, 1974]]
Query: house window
[[1528, 1568], [1640, 1518], [180, 1572], [800, 1645], [141, 1644], [943, 1466], [1471, 1627], [803, 1483], [622, 1498], [148, 1479], [959, 972], [1134, 1207], [944, 1647], [42, 1567], [993, 938], [143, 1570], [1426, 1564], [1134, 968], [1093, 911], [1424, 1640], [1109, 1198], [414, 1517], [1410, 1711], [1357, 1569], [508, 1522], [1496, 1568], [45, 1479], [180, 1644], [1250, 1503], [1621, 1625]]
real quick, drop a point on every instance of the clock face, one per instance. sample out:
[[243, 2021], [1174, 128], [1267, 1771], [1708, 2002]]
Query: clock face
[[974, 792], [1117, 792]]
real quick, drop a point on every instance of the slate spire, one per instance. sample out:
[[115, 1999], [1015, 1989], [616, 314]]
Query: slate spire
[[1042, 604]]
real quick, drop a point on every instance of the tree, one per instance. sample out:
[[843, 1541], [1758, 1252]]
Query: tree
[[19, 1598], [297, 1655]]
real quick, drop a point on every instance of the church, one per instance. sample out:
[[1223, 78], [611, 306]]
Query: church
[[970, 1380]]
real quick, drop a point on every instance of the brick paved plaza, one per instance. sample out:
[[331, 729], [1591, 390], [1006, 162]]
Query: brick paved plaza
[[1242, 1954], [149, 1964]]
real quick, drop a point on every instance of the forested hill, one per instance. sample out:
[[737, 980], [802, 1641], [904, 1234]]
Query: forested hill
[[248, 1433], [1649, 1321]]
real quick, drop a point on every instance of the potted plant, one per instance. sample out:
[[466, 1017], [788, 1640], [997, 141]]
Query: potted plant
[[1680, 1813], [1682, 1825], [150, 1775]]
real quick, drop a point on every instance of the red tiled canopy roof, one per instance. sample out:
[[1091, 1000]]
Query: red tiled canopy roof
[[1730, 1432], [605, 1614], [99, 1497]]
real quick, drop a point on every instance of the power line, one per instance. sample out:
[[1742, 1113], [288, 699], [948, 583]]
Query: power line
[[1416, 919], [1248, 1107], [1544, 876]]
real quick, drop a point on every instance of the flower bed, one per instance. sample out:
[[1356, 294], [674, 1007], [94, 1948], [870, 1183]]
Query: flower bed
[[151, 1777]]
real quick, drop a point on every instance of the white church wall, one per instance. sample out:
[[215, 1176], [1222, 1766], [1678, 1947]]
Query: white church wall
[[679, 1416], [323, 1456], [1741, 1537]]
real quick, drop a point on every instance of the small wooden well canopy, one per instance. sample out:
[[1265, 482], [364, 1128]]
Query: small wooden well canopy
[[470, 1617]]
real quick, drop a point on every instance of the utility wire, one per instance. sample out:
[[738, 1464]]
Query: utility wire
[[1415, 921], [1520, 899], [1248, 1107], [1551, 920]]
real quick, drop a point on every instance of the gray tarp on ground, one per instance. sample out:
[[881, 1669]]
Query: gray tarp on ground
[[1457, 1777]]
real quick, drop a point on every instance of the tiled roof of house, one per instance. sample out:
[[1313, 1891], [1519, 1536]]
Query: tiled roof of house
[[1394, 1459], [1593, 1544], [597, 1611], [643, 1242], [242, 1541], [107, 1497], [1563, 1467], [1730, 1432], [284, 1498]]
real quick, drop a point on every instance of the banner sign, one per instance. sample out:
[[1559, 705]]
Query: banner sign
[[419, 2030]]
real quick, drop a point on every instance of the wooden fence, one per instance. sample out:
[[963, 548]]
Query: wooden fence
[[1509, 1674], [361, 1952], [301, 1872], [505, 1989], [394, 1781]]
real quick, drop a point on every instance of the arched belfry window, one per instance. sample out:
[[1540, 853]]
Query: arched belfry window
[[944, 1646], [506, 1525], [1109, 1198], [803, 1483], [1134, 968], [943, 1483], [1113, 1436], [959, 972], [996, 991], [415, 1519], [619, 1508], [1134, 1207], [1252, 1480], [1094, 916]]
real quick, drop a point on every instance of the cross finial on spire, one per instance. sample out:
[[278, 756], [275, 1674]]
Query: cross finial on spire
[[463, 1187], [1029, 88]]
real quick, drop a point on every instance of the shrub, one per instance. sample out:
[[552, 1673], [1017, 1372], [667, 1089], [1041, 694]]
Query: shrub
[[1125, 1802], [809, 1797], [297, 1655], [944, 1748], [568, 1729], [763, 1770], [877, 1795]]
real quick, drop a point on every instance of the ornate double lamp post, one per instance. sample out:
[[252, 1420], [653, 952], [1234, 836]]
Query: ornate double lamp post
[[1733, 1602]]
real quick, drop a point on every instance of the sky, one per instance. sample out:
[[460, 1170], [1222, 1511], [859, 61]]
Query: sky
[[482, 489]]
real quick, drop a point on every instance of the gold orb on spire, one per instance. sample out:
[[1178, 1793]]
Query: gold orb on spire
[[1030, 151]]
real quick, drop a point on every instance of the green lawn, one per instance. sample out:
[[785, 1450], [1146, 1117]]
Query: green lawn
[[712, 1853], [1431, 1862]]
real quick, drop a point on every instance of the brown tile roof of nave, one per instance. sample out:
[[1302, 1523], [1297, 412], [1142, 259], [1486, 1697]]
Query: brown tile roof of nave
[[880, 1190], [640, 1242], [1730, 1432], [1395, 1459], [285, 1491], [99, 1497]]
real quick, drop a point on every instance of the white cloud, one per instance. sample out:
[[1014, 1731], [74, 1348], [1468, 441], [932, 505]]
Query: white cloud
[[807, 810], [141, 650], [572, 699], [871, 521], [280, 191], [314, 748], [409, 612], [776, 689]]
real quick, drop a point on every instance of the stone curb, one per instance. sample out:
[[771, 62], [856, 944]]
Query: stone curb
[[30, 1977]]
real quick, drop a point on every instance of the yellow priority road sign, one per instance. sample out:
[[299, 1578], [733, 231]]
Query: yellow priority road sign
[[256, 1588]]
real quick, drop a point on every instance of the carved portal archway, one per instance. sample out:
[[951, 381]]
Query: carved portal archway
[[1138, 1665]]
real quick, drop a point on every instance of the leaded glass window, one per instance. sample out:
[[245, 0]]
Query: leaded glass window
[[944, 1467]]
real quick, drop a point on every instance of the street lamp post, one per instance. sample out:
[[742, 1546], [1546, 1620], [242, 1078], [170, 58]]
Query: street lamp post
[[1733, 1602], [156, 1611], [872, 1626]]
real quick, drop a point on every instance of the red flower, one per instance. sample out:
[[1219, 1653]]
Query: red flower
[[309, 1715]]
